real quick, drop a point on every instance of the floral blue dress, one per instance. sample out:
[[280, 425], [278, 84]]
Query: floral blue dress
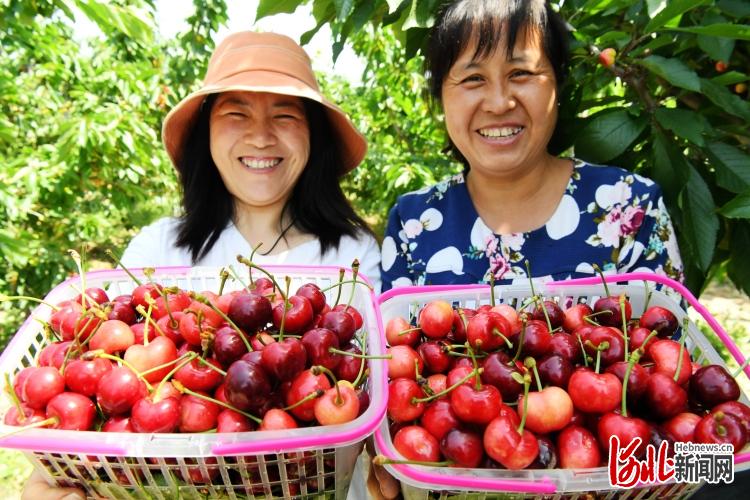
[[608, 216]]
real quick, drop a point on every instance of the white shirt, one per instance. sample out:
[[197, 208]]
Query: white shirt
[[155, 246]]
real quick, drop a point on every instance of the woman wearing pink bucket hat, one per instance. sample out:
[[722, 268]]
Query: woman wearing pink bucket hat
[[259, 152]]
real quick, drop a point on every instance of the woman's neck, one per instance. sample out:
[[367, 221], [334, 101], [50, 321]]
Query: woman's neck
[[270, 227], [521, 201]]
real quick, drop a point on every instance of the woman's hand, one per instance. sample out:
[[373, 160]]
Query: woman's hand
[[37, 489]]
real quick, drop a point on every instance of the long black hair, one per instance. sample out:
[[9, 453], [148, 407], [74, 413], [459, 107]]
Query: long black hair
[[460, 21], [317, 205]]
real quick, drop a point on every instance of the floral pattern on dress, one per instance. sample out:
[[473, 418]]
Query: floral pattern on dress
[[607, 216]]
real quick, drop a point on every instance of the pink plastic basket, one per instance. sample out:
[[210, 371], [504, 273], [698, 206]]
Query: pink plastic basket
[[422, 482], [298, 463]]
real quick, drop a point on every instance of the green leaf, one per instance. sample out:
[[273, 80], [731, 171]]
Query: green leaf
[[738, 267], [674, 71], [737, 208], [343, 8], [730, 78], [736, 8], [718, 48], [700, 224], [732, 166], [686, 124], [393, 5], [671, 170], [726, 30], [271, 7], [115, 18], [673, 9], [607, 135], [726, 100]]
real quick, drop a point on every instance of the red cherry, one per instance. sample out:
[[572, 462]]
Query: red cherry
[[660, 319], [285, 359], [438, 418], [739, 410], [666, 354], [277, 420], [305, 383], [575, 316], [663, 397], [607, 57], [250, 311], [462, 447], [317, 343], [230, 421], [82, 376], [626, 429], [713, 385], [594, 392], [578, 448], [549, 410], [175, 302], [159, 351], [341, 323], [155, 415], [337, 407], [41, 385], [565, 345], [415, 443], [554, 313], [499, 372], [297, 317], [118, 390], [681, 427], [401, 392], [24, 416], [486, 330], [504, 444], [141, 291], [351, 311], [247, 386], [73, 411], [721, 428], [436, 319], [609, 313], [312, 292], [435, 355], [398, 331], [404, 362], [197, 414]]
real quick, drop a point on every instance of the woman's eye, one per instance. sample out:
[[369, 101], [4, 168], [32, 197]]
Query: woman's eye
[[472, 79], [520, 73]]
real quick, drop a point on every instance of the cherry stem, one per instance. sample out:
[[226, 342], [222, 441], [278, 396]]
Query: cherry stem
[[164, 293], [544, 311], [180, 387], [338, 284], [85, 299], [633, 359], [204, 300], [317, 370], [252, 256], [463, 317], [601, 274], [383, 460], [164, 365], [526, 384], [648, 295], [624, 324], [14, 397], [7, 298], [111, 254], [184, 360], [251, 265], [102, 354], [148, 320], [287, 305], [531, 363], [355, 272], [492, 289], [408, 330], [237, 277], [417, 376], [333, 350], [683, 337], [361, 373], [447, 390], [603, 346], [531, 281], [583, 351], [520, 340], [338, 293], [741, 368], [313, 395], [35, 425], [223, 276], [495, 331], [477, 379], [212, 367]]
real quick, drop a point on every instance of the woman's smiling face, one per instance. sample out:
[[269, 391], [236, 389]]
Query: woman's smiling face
[[260, 143], [501, 111]]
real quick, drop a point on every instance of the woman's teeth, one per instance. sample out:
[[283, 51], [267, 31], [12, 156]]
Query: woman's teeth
[[260, 164], [500, 131]]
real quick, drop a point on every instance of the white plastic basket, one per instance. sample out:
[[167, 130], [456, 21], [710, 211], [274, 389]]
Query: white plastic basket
[[298, 463], [422, 482]]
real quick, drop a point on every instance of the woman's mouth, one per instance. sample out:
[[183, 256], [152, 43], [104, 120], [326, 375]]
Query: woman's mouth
[[499, 132], [255, 163]]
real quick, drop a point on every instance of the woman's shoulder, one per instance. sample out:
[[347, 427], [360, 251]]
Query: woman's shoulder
[[154, 245], [609, 174], [431, 195]]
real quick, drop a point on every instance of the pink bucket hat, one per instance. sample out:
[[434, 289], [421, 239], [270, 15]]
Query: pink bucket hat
[[260, 62]]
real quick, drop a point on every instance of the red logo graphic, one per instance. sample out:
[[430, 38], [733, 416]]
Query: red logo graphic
[[626, 471]]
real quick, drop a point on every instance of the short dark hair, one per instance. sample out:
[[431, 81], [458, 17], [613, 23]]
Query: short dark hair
[[459, 21], [317, 204]]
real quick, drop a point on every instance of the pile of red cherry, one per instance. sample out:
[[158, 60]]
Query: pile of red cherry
[[162, 359], [544, 388]]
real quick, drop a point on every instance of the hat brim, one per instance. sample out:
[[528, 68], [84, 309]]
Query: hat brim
[[180, 120]]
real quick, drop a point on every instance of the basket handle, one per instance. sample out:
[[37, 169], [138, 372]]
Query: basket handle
[[676, 285], [41, 444]]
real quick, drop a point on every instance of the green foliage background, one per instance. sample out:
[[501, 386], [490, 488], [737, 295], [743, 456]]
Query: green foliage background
[[80, 126]]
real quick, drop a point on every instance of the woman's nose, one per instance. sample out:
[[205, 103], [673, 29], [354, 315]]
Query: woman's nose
[[259, 134], [498, 99]]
